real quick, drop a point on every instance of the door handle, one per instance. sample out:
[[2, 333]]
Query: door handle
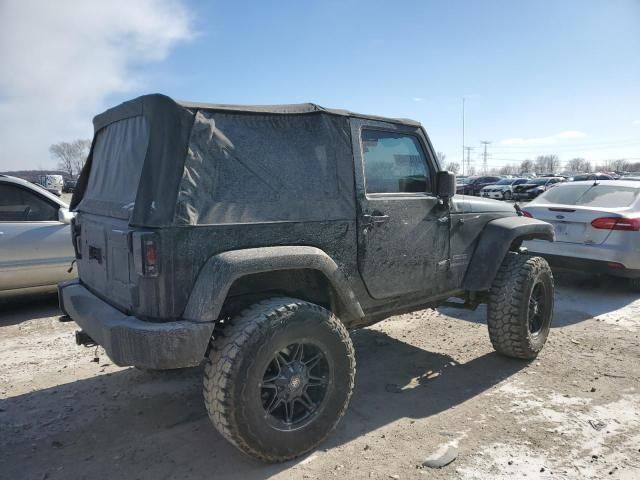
[[373, 219]]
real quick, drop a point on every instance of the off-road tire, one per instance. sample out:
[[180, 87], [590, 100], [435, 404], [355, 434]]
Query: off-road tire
[[235, 367], [509, 306]]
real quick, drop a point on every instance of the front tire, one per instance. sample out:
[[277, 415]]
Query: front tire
[[520, 307], [279, 380]]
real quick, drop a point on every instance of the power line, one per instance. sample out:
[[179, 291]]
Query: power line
[[517, 148]]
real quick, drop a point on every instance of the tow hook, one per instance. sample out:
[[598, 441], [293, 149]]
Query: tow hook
[[83, 338]]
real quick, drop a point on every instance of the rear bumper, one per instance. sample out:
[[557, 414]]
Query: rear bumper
[[131, 341], [611, 251]]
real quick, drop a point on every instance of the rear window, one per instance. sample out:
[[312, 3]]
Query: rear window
[[609, 196], [118, 156]]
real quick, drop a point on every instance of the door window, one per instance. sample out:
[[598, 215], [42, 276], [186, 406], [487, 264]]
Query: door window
[[20, 205], [394, 163]]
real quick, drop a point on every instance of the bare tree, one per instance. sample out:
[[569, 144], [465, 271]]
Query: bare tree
[[621, 165], [605, 166], [441, 156], [453, 167], [508, 170], [547, 164], [71, 156], [526, 166], [579, 165]]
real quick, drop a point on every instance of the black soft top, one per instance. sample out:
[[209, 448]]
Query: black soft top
[[156, 162], [136, 105]]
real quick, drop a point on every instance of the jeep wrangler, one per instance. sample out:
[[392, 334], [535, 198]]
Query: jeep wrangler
[[255, 237]]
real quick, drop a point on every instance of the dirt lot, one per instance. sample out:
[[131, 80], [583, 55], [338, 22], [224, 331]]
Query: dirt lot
[[424, 380]]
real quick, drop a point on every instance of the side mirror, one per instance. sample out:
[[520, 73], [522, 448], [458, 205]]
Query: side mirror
[[65, 216], [446, 184]]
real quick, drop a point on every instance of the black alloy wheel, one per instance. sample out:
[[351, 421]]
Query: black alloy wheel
[[294, 386]]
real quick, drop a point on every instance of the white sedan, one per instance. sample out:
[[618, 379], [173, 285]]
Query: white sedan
[[597, 225], [503, 190], [35, 238]]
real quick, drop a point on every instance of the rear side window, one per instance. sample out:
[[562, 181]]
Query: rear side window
[[394, 163], [611, 196], [118, 156], [19, 205]]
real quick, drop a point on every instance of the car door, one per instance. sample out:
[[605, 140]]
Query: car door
[[403, 228], [35, 248]]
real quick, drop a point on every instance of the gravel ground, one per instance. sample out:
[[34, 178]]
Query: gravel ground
[[425, 381]]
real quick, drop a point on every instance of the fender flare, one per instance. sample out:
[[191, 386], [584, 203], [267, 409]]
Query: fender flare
[[494, 243], [220, 271]]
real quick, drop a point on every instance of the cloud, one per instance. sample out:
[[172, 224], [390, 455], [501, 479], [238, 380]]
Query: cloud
[[61, 60], [636, 122], [550, 140], [417, 99]]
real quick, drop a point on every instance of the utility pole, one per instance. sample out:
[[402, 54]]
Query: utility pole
[[463, 135], [468, 149], [484, 157]]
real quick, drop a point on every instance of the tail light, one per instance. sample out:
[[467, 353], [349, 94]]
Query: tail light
[[527, 214], [150, 255], [146, 254], [617, 223]]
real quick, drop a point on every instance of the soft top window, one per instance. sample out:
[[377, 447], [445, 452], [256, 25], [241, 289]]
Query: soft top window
[[118, 156]]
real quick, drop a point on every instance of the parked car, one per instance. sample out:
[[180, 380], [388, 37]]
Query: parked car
[[35, 238], [475, 184], [503, 190], [591, 176], [534, 187], [69, 186], [52, 183], [221, 256], [597, 227]]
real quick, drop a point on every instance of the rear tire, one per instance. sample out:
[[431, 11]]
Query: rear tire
[[520, 307], [279, 379]]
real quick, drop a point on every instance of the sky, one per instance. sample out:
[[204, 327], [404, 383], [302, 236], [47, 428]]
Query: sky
[[538, 77]]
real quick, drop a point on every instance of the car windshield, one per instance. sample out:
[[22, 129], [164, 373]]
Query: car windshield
[[610, 196], [465, 181], [506, 181], [591, 176], [538, 181]]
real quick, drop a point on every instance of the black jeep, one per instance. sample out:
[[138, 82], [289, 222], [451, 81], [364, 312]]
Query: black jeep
[[256, 237]]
